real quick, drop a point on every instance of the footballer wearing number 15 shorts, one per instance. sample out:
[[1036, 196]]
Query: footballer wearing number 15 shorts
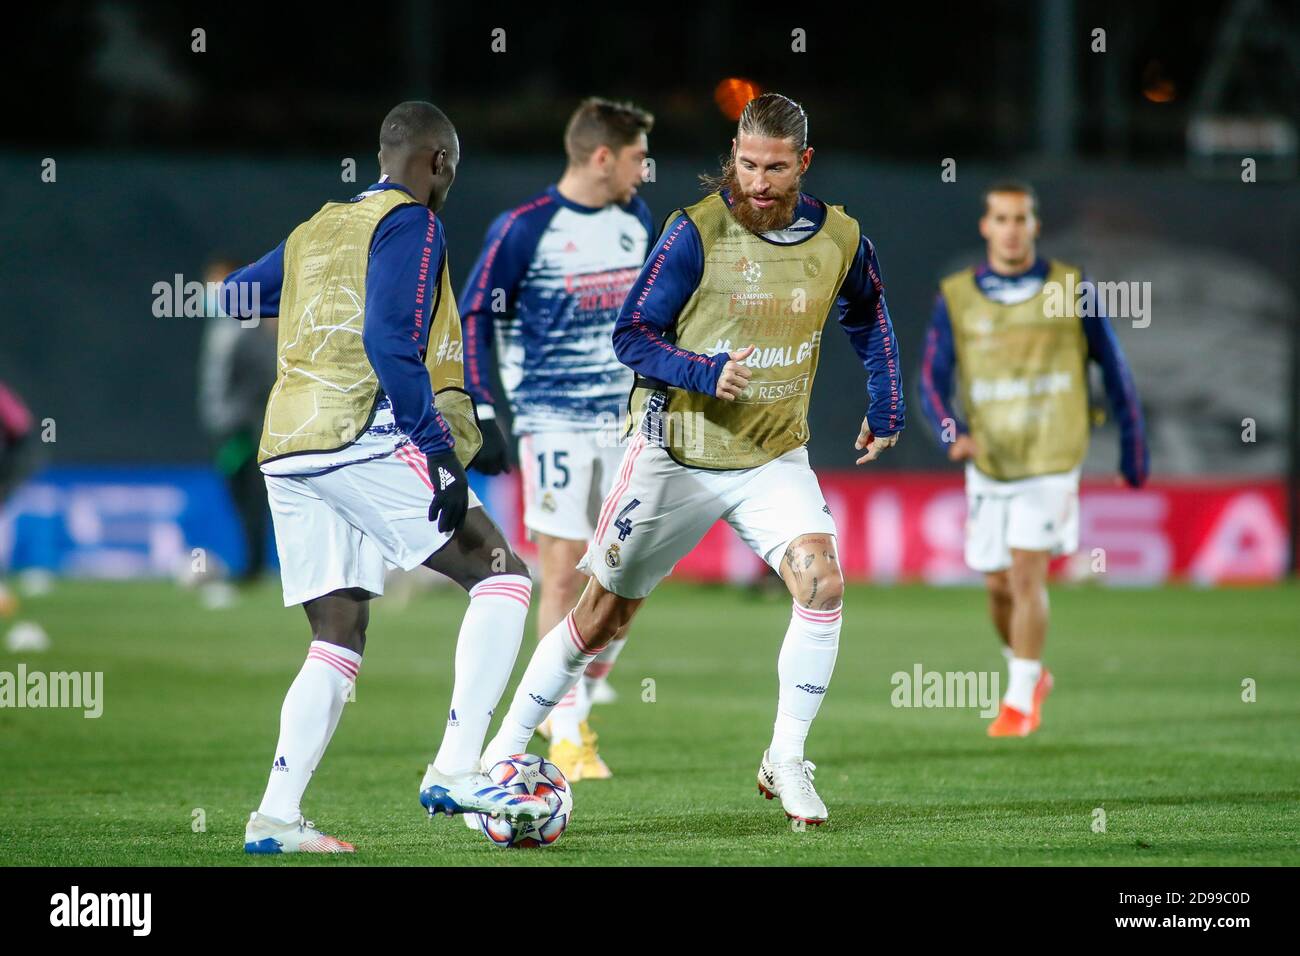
[[723, 328], [544, 295]]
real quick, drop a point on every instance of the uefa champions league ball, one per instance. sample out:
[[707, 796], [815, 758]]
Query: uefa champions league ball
[[529, 773]]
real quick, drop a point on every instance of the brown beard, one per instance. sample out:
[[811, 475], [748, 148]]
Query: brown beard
[[777, 216]]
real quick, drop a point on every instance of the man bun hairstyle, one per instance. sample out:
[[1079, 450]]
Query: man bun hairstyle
[[775, 116]]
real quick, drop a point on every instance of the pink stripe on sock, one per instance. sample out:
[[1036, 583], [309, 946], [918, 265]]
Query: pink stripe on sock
[[508, 595], [496, 587], [521, 588], [314, 655], [575, 636], [818, 617], [325, 648], [350, 675], [821, 615], [346, 663], [518, 589], [505, 581]]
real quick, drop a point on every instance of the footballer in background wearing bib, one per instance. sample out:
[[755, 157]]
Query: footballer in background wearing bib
[[550, 280], [1012, 342], [724, 328]]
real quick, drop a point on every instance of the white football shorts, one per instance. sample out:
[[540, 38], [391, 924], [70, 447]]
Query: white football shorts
[[658, 510], [346, 527], [566, 476], [1030, 514]]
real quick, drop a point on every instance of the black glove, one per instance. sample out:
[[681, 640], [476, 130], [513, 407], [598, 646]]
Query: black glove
[[494, 456], [450, 492]]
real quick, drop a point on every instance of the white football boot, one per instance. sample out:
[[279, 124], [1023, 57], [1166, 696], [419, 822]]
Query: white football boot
[[473, 821], [474, 792], [793, 783], [268, 835]]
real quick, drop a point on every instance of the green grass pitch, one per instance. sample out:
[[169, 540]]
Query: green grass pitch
[[1147, 722]]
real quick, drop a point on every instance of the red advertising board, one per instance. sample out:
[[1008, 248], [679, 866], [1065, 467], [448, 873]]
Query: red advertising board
[[910, 527]]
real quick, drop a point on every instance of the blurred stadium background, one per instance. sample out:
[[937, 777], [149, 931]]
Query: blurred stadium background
[[166, 158]]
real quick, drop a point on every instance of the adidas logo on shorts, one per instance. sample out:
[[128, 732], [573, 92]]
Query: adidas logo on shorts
[[445, 478]]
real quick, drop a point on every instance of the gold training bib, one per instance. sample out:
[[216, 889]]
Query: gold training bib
[[752, 292], [325, 389], [1022, 375]]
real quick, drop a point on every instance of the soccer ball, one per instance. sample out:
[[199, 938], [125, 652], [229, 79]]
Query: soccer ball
[[529, 773]]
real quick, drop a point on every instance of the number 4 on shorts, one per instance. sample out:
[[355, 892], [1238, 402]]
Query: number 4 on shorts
[[623, 523]]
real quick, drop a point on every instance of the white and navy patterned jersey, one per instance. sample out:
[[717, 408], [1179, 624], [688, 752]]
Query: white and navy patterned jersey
[[544, 293]]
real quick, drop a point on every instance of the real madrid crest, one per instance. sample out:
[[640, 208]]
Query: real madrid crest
[[611, 556]]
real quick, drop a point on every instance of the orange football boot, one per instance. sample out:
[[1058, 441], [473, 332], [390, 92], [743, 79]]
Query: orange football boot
[[1012, 723], [1041, 690]]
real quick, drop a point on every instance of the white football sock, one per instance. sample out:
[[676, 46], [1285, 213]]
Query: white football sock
[[596, 671], [804, 669], [310, 713], [490, 635], [1022, 677], [569, 713], [560, 658], [604, 661]]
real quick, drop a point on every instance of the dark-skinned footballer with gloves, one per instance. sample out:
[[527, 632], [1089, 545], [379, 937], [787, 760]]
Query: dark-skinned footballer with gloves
[[367, 434]]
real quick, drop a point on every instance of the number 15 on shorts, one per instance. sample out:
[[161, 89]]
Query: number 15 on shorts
[[559, 470]]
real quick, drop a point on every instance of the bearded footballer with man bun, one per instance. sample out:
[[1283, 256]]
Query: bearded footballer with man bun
[[723, 328]]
